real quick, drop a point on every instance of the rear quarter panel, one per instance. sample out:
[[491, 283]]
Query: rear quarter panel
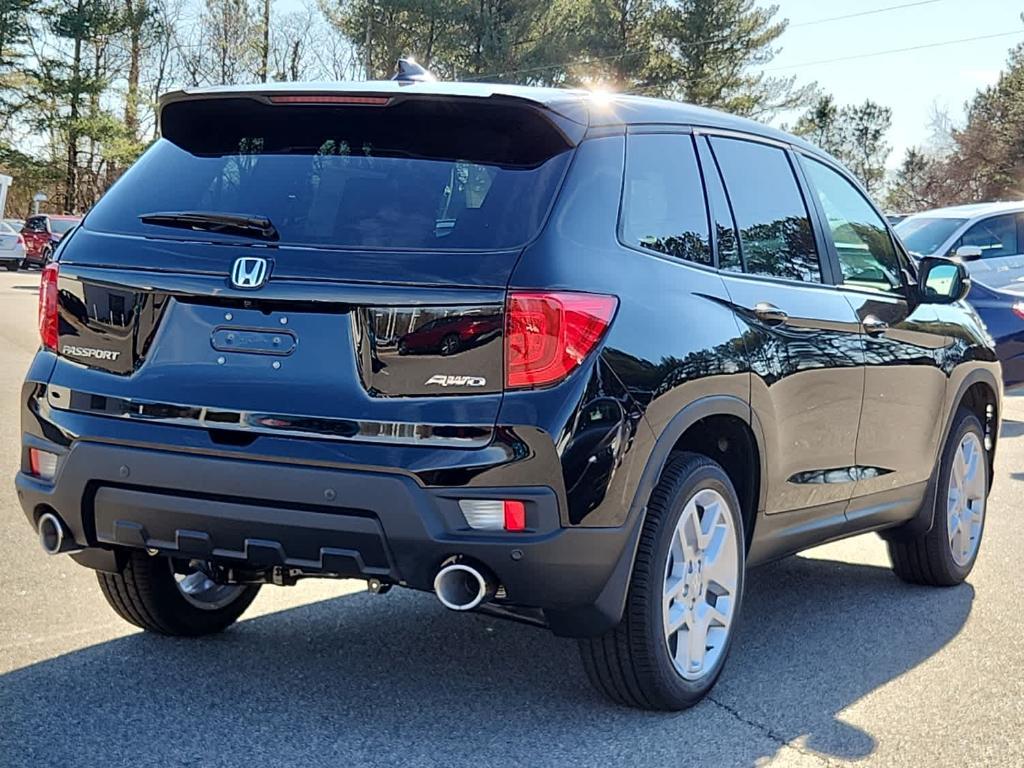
[[674, 339]]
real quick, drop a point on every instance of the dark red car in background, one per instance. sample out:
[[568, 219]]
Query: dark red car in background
[[448, 335], [42, 233]]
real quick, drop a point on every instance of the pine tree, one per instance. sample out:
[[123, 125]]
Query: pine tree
[[70, 81], [855, 134], [716, 50]]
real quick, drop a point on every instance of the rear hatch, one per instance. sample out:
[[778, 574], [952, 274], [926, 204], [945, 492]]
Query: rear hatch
[[324, 265]]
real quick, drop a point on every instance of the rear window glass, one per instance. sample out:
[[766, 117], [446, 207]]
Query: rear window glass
[[663, 200], [417, 175], [60, 226]]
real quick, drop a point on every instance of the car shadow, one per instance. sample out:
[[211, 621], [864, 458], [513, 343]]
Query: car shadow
[[384, 680], [1011, 428]]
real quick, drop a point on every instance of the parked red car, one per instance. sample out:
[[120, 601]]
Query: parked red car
[[448, 335], [42, 233]]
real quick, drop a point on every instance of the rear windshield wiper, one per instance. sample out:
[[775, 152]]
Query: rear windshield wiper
[[211, 221]]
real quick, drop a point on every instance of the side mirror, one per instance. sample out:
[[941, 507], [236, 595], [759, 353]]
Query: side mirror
[[968, 252], [942, 281]]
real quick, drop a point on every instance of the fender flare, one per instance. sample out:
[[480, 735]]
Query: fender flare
[[607, 610], [921, 523]]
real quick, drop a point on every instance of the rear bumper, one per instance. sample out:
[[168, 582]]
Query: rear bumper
[[356, 523]]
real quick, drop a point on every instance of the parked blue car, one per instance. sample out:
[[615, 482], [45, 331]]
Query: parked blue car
[[1002, 310]]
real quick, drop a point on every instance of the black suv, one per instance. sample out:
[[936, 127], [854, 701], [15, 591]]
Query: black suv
[[698, 347]]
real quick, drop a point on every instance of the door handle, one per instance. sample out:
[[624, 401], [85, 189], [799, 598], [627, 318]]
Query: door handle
[[769, 314], [874, 326]]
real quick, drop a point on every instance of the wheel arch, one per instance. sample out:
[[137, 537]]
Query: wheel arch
[[978, 392], [690, 427]]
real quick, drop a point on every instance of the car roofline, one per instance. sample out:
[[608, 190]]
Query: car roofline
[[589, 108], [971, 211]]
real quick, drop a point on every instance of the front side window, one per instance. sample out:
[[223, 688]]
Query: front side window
[[776, 238], [867, 256], [996, 236], [663, 206]]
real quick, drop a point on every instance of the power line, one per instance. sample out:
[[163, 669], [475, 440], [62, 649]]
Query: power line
[[690, 44], [872, 12], [922, 47], [643, 89]]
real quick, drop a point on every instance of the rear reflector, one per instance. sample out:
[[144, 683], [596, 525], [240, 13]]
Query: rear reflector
[[370, 101], [48, 306], [494, 515], [550, 334], [43, 464], [515, 516]]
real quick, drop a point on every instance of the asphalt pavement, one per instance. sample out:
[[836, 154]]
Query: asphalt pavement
[[836, 662]]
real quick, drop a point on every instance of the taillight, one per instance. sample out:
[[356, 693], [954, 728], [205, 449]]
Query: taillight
[[1018, 309], [549, 334], [48, 306], [21, 240]]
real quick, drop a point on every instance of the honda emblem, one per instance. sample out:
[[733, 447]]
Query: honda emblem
[[249, 272]]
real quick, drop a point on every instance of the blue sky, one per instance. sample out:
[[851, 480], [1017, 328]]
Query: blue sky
[[909, 83]]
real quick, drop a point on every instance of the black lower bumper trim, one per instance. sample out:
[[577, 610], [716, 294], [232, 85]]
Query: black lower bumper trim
[[254, 535], [251, 515]]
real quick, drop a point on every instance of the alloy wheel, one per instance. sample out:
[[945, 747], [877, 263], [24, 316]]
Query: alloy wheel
[[203, 592], [700, 583], [965, 499]]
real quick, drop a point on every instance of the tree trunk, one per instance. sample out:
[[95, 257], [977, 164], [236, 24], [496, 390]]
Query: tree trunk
[[368, 42], [71, 177], [264, 73], [131, 99]]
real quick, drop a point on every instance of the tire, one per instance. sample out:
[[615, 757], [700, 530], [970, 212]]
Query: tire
[[403, 348], [11, 267], [450, 344], [929, 558], [147, 595], [633, 663]]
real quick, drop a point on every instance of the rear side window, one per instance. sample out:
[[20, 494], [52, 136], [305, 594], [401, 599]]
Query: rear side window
[[663, 206], [776, 238], [996, 236], [419, 174], [725, 228]]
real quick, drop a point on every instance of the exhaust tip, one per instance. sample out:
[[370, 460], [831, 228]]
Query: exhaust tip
[[51, 533], [460, 587]]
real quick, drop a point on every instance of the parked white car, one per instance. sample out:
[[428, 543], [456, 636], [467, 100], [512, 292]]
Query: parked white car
[[987, 237], [12, 247]]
